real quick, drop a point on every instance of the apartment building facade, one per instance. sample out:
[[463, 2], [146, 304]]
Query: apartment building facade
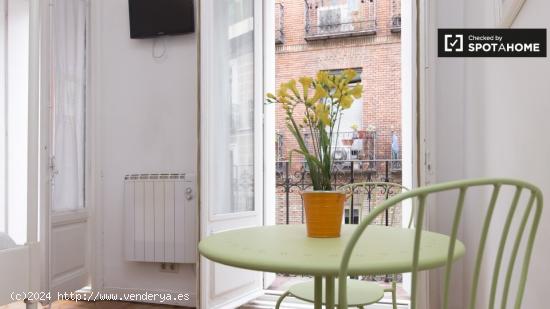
[[333, 35]]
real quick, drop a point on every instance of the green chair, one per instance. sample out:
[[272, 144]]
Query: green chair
[[529, 218], [360, 293]]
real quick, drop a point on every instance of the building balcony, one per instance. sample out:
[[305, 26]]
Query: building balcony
[[341, 19], [395, 21], [395, 25], [279, 23], [293, 178]]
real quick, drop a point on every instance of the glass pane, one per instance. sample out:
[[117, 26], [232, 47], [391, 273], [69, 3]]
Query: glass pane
[[234, 92], [14, 125], [69, 99]]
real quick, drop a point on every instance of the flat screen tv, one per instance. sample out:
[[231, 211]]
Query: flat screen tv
[[151, 18]]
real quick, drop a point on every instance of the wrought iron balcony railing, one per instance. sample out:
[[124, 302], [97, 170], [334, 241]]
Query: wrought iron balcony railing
[[292, 178], [291, 181], [339, 19]]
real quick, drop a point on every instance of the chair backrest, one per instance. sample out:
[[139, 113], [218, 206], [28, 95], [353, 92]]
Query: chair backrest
[[372, 193], [530, 217]]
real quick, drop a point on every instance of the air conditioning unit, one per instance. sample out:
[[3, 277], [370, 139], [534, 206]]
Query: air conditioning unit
[[334, 19], [343, 155]]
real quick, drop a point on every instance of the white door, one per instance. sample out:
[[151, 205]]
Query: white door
[[231, 139], [67, 243]]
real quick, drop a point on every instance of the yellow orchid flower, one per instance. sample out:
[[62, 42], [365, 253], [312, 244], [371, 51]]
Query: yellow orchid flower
[[357, 91], [306, 81], [284, 100], [342, 83], [292, 86], [349, 74], [322, 76], [283, 90], [320, 93], [346, 102], [331, 81], [330, 95], [306, 84], [322, 112]]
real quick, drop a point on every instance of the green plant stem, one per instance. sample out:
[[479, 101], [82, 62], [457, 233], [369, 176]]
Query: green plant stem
[[313, 137]]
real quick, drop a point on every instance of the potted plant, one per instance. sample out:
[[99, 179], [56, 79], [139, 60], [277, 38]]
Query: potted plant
[[354, 128], [316, 108]]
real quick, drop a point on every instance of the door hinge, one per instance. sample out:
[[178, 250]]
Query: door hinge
[[53, 167]]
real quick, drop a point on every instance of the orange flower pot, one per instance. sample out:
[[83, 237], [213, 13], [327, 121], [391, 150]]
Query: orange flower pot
[[324, 210]]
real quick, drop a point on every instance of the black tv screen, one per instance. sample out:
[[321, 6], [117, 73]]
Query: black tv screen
[[150, 18]]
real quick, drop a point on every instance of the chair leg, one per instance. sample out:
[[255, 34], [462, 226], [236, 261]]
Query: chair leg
[[361, 307], [394, 294], [281, 298], [31, 305]]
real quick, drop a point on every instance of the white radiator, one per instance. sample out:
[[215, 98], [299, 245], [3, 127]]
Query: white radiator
[[160, 218]]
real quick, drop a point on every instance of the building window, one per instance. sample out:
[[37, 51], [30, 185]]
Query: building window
[[351, 118]]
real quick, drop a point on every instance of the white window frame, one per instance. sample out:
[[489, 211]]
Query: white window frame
[[3, 60]]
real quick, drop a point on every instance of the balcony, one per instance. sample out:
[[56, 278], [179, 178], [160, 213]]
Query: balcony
[[279, 23], [361, 156], [395, 22], [293, 177], [395, 25], [341, 19]]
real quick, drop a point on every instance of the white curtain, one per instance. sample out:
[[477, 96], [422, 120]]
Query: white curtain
[[69, 99]]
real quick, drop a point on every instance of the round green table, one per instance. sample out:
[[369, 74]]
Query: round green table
[[287, 249]]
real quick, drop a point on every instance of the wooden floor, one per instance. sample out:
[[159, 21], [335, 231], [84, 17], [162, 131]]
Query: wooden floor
[[268, 301], [95, 305], [264, 302]]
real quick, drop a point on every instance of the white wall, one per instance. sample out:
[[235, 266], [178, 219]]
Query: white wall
[[511, 98], [146, 124], [491, 119]]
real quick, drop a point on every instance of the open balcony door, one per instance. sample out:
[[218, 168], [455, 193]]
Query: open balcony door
[[63, 96], [232, 88]]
